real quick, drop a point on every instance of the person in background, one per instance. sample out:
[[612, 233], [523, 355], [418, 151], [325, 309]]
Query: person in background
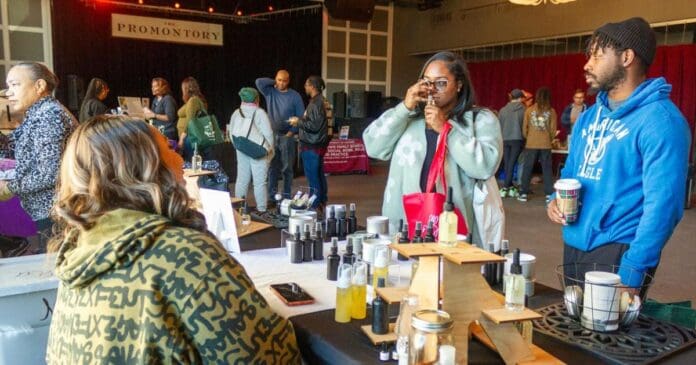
[[194, 101], [511, 117], [538, 130], [314, 138], [163, 109], [93, 103], [572, 112], [252, 122], [282, 103], [128, 227], [408, 133], [38, 142], [630, 153]]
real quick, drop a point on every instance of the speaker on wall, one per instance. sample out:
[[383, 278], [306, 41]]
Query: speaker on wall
[[373, 104], [354, 10], [358, 104], [339, 104], [76, 92]]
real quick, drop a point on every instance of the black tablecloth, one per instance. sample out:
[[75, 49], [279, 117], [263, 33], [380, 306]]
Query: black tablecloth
[[324, 341]]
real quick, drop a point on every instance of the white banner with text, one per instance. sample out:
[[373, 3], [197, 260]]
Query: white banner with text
[[166, 30]]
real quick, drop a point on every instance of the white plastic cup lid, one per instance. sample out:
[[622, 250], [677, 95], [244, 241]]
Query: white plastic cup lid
[[602, 277], [567, 184]]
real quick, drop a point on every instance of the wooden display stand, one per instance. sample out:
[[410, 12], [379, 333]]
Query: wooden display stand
[[252, 228], [470, 301]]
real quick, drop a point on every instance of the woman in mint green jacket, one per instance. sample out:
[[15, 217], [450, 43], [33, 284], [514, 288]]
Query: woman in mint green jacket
[[407, 134]]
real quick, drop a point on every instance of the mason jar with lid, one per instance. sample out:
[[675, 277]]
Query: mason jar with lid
[[431, 339]]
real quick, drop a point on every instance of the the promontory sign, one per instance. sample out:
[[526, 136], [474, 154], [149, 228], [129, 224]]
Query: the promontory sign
[[166, 30]]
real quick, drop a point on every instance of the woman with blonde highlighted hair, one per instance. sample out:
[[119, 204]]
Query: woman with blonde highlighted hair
[[136, 259]]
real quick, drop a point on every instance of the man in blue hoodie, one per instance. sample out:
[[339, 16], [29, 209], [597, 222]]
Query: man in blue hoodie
[[630, 152]]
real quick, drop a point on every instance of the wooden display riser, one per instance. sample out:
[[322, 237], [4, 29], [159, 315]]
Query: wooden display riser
[[378, 339], [469, 300], [252, 228]]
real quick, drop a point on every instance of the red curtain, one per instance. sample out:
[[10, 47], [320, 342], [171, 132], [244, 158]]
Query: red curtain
[[563, 74]]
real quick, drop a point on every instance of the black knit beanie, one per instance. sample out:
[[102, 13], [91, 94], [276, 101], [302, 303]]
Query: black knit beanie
[[634, 33]]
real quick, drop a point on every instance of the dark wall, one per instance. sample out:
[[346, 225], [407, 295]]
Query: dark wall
[[82, 45]]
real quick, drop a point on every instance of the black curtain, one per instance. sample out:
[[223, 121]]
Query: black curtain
[[83, 46]]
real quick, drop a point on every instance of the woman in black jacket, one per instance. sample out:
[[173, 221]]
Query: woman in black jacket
[[314, 138], [93, 103]]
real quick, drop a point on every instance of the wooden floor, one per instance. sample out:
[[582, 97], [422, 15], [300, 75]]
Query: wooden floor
[[529, 229]]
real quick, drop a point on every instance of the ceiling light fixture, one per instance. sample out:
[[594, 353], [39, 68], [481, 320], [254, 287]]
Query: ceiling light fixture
[[539, 2]]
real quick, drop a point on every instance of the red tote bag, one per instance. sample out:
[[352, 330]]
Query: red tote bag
[[427, 206]]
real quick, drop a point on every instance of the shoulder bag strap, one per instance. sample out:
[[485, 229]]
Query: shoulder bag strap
[[437, 167], [251, 124]]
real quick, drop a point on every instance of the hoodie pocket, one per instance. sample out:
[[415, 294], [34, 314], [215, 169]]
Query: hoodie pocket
[[601, 223]]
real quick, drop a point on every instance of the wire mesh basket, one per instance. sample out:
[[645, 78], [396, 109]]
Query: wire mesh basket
[[594, 295]]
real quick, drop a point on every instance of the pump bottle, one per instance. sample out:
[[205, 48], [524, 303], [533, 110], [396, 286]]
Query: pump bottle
[[349, 257], [380, 318], [343, 294], [352, 220], [318, 243], [359, 290], [331, 223], [332, 261], [418, 233], [380, 269], [295, 247], [307, 244]]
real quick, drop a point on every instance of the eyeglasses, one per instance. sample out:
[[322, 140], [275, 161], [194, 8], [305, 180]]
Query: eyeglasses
[[440, 85]]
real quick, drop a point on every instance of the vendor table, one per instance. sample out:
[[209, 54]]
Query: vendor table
[[346, 156], [324, 341]]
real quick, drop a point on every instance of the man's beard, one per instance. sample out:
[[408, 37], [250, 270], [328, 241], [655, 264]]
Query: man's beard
[[616, 77]]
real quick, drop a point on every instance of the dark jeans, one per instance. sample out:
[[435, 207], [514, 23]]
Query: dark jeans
[[511, 151], [313, 163], [530, 157], [283, 163], [604, 256]]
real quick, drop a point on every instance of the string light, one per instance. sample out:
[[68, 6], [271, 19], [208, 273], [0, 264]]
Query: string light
[[270, 8], [211, 9], [239, 13], [177, 5], [140, 2]]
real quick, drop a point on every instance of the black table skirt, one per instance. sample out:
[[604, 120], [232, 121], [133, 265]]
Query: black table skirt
[[324, 341]]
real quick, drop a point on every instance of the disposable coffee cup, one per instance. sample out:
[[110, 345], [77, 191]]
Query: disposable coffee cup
[[567, 194]]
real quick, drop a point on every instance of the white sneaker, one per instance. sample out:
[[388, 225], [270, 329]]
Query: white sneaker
[[503, 192], [522, 197]]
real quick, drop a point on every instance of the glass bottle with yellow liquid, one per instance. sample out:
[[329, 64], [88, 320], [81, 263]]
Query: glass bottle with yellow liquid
[[343, 294], [380, 269], [448, 221], [359, 291]]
